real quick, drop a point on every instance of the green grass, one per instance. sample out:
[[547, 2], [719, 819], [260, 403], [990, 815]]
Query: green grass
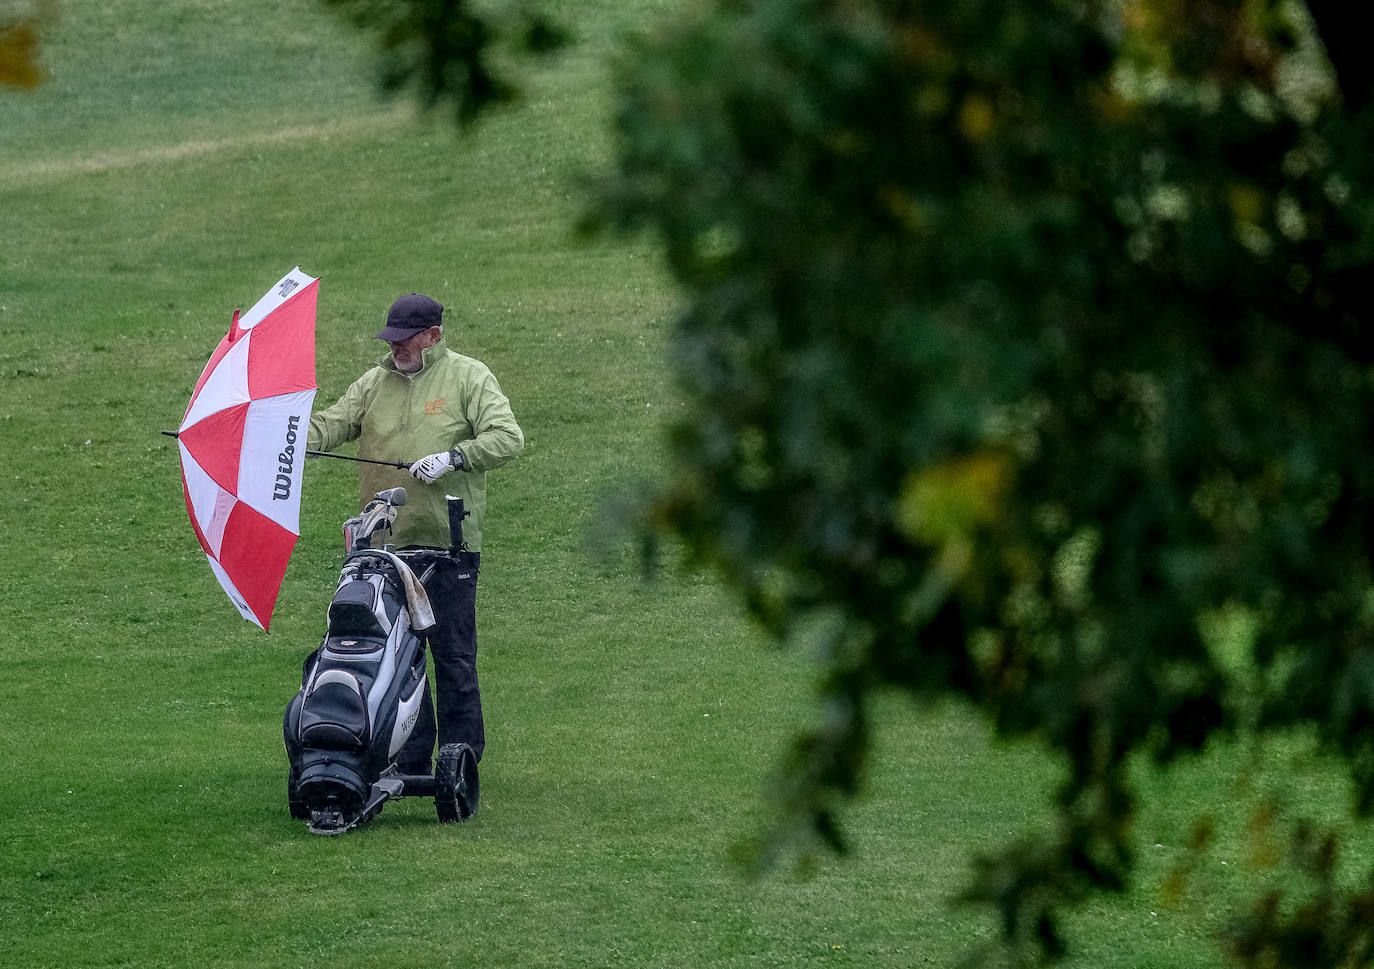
[[181, 158]]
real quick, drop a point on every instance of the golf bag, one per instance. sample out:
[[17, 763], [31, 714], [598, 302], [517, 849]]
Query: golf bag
[[363, 688], [361, 691]]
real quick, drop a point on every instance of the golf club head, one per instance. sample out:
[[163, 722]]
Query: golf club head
[[379, 513]]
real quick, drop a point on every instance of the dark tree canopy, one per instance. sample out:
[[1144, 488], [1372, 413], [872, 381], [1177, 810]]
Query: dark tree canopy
[[1024, 344], [1023, 339]]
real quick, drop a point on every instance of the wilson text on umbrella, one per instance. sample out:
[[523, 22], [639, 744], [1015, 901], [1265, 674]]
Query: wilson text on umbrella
[[281, 490]]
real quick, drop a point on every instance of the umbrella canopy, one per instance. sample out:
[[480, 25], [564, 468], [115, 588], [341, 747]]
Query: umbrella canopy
[[242, 444]]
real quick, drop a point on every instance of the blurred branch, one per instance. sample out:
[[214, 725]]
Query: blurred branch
[[20, 34], [447, 50]]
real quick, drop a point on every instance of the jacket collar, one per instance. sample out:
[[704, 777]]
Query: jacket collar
[[428, 357]]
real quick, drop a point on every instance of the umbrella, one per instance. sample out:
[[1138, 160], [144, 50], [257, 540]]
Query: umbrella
[[242, 444]]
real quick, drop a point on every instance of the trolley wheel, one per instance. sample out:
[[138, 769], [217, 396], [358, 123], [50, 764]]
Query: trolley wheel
[[455, 783]]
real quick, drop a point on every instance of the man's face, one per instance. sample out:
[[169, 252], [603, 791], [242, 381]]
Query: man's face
[[406, 354]]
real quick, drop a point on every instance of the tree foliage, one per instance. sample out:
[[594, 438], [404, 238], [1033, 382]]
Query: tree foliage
[[1024, 340], [1025, 346]]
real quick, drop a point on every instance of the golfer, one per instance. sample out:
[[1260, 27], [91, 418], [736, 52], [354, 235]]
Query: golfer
[[424, 399]]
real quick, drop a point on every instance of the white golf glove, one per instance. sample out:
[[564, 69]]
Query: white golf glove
[[432, 467]]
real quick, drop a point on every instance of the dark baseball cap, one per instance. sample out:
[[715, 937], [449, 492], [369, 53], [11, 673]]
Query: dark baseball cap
[[408, 316]]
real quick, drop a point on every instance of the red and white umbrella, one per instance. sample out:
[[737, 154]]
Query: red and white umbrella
[[242, 444]]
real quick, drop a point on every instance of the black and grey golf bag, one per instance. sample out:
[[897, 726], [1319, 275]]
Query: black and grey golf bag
[[363, 688], [361, 691]]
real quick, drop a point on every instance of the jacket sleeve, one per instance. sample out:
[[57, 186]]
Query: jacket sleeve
[[498, 437], [341, 422]]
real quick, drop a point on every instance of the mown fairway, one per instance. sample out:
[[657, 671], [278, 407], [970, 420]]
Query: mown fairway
[[180, 159]]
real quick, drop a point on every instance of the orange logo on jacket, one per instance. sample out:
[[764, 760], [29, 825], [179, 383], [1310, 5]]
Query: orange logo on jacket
[[433, 408]]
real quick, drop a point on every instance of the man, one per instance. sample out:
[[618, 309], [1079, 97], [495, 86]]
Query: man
[[423, 399]]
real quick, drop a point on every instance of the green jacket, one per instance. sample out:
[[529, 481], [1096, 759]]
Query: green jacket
[[453, 402]]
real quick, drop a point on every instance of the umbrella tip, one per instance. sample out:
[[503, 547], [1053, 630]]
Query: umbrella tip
[[234, 331]]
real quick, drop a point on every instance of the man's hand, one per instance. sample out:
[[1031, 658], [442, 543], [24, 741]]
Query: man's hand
[[431, 468]]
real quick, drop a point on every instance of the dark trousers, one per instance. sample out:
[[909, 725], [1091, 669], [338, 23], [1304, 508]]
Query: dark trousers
[[452, 589]]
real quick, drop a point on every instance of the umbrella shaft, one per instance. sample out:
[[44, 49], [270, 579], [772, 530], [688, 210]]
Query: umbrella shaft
[[341, 457], [347, 457]]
